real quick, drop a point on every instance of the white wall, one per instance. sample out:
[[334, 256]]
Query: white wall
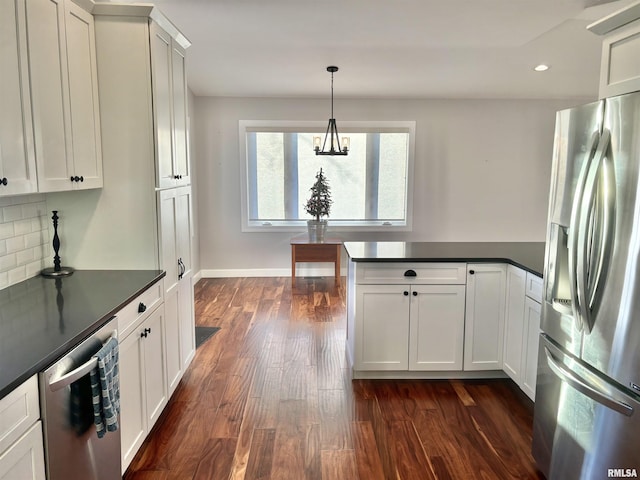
[[482, 170], [195, 244]]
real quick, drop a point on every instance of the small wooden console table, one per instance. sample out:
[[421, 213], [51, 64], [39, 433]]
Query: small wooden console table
[[302, 250]]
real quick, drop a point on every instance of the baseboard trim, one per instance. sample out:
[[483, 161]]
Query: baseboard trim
[[267, 272]]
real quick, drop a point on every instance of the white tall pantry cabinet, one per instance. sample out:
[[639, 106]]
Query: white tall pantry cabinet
[[147, 193]]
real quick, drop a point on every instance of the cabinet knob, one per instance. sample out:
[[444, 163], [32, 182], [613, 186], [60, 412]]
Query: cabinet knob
[[410, 273], [142, 307], [4, 180], [72, 178], [147, 330], [415, 294], [405, 293], [81, 178], [143, 334], [471, 272]]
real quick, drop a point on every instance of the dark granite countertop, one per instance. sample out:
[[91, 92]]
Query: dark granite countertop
[[43, 318], [526, 255]]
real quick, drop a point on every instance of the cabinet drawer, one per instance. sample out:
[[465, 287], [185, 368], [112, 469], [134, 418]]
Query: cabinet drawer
[[425, 273], [18, 411], [134, 312], [534, 287]]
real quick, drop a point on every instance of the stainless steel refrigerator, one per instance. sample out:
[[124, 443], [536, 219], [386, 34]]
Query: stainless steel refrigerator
[[587, 406]]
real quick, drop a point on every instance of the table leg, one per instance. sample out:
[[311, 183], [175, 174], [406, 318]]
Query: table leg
[[293, 263], [337, 266]]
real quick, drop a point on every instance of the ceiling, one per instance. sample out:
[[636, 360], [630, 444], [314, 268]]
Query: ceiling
[[392, 49]]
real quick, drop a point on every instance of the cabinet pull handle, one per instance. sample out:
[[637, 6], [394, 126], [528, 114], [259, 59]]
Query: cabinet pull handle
[[82, 178], [471, 272], [415, 294], [410, 273], [4, 181], [405, 293], [147, 330], [142, 307], [72, 178], [143, 334]]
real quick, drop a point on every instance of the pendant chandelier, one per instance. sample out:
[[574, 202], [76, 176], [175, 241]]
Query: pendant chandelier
[[335, 148]]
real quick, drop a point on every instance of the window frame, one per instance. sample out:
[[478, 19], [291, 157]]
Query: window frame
[[346, 127]]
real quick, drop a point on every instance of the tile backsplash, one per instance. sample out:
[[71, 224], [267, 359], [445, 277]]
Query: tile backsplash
[[24, 238]]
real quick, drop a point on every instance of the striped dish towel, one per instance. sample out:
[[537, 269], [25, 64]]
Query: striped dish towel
[[105, 389]]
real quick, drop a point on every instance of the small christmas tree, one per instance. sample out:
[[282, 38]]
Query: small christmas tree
[[320, 202]]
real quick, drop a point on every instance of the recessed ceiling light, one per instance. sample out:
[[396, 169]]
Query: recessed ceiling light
[[541, 68]]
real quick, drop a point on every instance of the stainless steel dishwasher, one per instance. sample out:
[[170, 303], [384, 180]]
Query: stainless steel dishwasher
[[72, 447]]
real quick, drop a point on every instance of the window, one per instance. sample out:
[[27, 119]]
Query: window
[[370, 187]]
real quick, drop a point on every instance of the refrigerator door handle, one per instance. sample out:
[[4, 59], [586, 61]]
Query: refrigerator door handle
[[573, 230], [584, 387], [587, 280]]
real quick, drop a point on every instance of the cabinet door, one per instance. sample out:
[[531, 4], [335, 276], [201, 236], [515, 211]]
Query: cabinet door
[[49, 84], [24, 460], [133, 412], [382, 327], [514, 322], [83, 98], [436, 327], [167, 207], [161, 53], [484, 329], [173, 339], [64, 96], [187, 321], [530, 353], [183, 228], [155, 366], [17, 158], [180, 115]]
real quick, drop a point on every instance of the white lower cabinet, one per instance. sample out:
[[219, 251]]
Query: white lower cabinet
[[436, 333], [400, 326], [456, 317], [530, 353], [514, 322], [484, 319], [522, 328], [143, 381], [24, 460], [21, 443], [382, 327]]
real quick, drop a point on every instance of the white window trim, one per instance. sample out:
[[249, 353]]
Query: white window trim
[[314, 126]]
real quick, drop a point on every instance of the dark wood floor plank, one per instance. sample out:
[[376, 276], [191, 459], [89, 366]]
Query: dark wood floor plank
[[231, 409], [338, 464], [260, 460], [270, 397], [411, 460], [216, 460], [369, 465], [335, 423]]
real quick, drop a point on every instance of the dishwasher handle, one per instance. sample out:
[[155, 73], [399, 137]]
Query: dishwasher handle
[[67, 379]]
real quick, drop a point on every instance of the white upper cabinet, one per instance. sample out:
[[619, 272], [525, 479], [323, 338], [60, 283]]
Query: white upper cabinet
[[64, 95], [170, 108], [17, 159], [620, 68]]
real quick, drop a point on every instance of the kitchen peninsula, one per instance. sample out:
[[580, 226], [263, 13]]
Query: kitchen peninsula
[[444, 310]]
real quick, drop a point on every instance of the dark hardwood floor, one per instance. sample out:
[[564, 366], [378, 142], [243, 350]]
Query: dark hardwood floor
[[270, 397]]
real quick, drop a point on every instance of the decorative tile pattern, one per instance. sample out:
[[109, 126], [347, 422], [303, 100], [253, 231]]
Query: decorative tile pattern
[[24, 237]]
